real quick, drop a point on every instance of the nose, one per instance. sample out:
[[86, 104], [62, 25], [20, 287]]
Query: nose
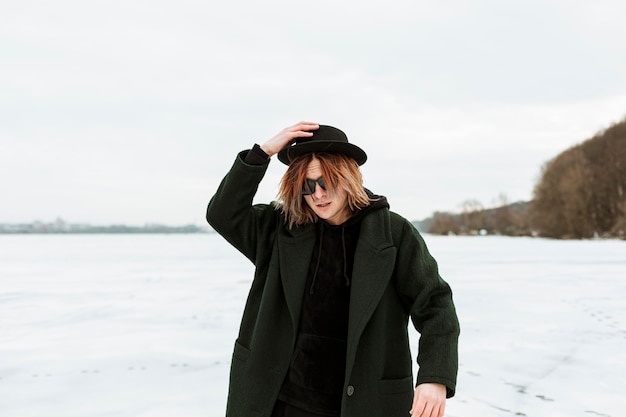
[[319, 192]]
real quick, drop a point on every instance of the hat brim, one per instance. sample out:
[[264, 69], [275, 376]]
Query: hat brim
[[287, 154]]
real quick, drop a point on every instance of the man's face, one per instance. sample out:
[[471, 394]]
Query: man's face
[[331, 206]]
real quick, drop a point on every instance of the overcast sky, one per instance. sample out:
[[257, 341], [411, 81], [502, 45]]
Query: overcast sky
[[132, 111]]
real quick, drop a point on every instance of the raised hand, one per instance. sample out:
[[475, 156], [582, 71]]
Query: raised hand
[[300, 130]]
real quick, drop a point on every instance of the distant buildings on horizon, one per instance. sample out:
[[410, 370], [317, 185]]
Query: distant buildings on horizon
[[60, 226]]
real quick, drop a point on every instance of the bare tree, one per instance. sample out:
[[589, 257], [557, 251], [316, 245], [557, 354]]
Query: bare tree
[[581, 191]]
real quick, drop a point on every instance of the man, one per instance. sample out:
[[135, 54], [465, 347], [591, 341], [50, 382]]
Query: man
[[338, 275]]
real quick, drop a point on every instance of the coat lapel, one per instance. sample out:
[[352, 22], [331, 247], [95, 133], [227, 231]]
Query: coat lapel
[[374, 262], [295, 251]]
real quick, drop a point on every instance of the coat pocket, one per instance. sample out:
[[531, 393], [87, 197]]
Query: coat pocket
[[241, 352], [395, 386], [237, 405], [395, 396]]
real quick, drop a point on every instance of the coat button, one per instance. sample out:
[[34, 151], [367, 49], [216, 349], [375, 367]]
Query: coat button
[[350, 390]]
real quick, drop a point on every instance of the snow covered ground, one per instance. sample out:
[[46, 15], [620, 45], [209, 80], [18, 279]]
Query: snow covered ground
[[143, 325]]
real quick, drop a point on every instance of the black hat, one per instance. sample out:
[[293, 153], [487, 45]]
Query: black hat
[[324, 139]]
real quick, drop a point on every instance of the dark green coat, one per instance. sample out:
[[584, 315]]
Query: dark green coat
[[394, 278]]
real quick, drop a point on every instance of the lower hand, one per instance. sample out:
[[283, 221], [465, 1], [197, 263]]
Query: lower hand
[[429, 400]]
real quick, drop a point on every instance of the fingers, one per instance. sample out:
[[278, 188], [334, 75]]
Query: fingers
[[420, 409], [427, 410], [440, 410], [418, 405], [299, 130], [302, 129], [307, 125], [287, 135]]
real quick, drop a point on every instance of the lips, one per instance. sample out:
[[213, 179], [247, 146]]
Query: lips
[[323, 205]]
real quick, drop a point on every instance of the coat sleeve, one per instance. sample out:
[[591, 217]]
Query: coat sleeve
[[428, 298], [231, 212]]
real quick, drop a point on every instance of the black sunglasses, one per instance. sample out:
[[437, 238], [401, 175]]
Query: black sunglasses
[[308, 187]]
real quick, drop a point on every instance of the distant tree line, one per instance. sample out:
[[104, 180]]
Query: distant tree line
[[505, 219], [581, 194]]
